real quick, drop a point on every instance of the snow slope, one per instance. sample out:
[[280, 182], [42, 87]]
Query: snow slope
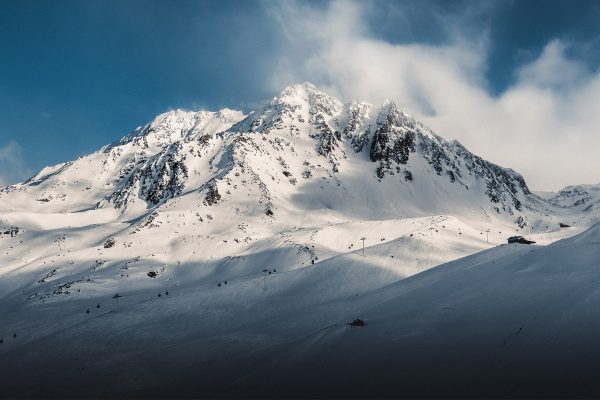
[[511, 321], [515, 320]]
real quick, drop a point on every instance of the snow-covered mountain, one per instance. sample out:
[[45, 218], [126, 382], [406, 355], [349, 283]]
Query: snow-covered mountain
[[204, 223], [303, 150], [585, 198]]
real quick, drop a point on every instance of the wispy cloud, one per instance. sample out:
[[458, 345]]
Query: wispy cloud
[[545, 125], [13, 167]]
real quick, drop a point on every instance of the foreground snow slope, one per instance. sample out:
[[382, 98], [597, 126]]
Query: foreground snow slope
[[512, 320], [152, 339]]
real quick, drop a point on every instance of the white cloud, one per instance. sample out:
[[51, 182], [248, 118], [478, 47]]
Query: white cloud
[[551, 69], [12, 164], [544, 126]]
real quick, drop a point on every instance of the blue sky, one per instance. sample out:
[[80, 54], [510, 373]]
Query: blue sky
[[76, 75]]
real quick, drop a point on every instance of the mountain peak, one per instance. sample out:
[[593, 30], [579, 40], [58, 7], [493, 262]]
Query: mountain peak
[[306, 93], [303, 88], [298, 104], [178, 124]]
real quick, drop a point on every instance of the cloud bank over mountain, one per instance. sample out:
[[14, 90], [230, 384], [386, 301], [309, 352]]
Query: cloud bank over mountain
[[544, 124]]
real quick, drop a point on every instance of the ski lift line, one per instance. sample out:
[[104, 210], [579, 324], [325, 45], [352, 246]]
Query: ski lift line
[[435, 220], [244, 278], [432, 225], [260, 275]]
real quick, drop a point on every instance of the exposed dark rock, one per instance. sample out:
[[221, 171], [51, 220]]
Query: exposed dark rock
[[392, 141], [357, 128], [154, 180], [212, 194]]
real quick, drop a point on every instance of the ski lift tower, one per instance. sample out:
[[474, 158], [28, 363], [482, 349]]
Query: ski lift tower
[[116, 297], [363, 240], [265, 271]]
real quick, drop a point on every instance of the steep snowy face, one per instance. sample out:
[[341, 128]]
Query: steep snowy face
[[393, 140], [152, 179], [161, 154], [503, 186], [302, 111], [357, 123], [400, 145]]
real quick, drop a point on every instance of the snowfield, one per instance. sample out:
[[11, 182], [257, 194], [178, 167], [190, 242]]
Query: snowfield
[[218, 254]]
